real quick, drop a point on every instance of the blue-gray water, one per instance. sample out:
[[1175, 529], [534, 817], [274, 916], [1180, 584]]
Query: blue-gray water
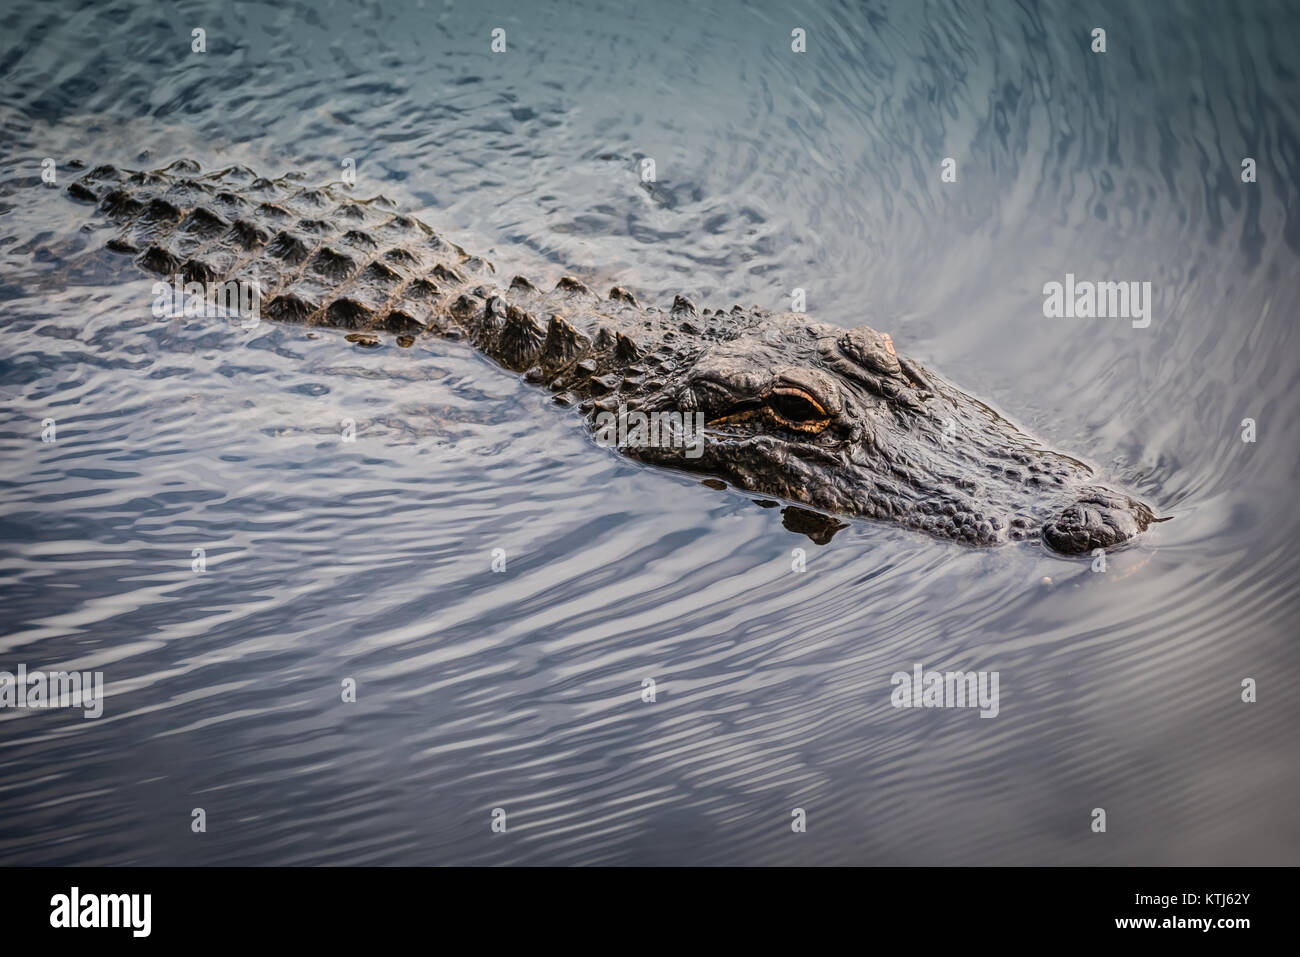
[[522, 690]]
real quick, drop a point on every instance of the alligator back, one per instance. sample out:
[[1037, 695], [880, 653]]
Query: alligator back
[[316, 255]]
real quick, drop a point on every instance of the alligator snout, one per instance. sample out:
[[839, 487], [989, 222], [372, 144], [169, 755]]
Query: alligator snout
[[1099, 519]]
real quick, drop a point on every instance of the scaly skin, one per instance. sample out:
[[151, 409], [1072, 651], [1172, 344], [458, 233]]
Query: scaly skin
[[798, 409]]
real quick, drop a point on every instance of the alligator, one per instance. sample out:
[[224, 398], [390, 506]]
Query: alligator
[[816, 414]]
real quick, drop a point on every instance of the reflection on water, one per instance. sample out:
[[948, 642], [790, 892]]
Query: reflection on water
[[523, 689]]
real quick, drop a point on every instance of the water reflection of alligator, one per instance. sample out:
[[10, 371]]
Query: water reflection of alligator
[[806, 411]]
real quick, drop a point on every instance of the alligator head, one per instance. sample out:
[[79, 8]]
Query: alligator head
[[837, 420]]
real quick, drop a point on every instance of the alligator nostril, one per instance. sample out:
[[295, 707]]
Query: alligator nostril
[[1100, 520]]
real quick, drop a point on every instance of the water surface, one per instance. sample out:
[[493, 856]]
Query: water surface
[[522, 689]]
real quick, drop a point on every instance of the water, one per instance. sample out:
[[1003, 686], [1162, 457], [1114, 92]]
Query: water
[[523, 690]]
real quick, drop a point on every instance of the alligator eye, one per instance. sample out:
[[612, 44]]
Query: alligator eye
[[796, 408]]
